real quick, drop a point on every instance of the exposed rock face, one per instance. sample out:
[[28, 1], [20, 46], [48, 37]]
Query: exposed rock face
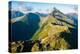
[[57, 14], [55, 33]]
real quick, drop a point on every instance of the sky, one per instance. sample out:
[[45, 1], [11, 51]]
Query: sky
[[43, 7]]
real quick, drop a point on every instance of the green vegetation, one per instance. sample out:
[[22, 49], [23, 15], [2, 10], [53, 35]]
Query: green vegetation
[[50, 36]]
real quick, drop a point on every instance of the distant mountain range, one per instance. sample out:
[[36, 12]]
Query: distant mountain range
[[30, 22], [74, 17], [15, 14], [41, 14], [54, 31]]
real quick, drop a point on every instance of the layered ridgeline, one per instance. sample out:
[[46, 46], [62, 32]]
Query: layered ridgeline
[[41, 32], [57, 31]]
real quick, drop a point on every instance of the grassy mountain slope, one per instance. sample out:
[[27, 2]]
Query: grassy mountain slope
[[53, 34], [50, 34], [48, 26]]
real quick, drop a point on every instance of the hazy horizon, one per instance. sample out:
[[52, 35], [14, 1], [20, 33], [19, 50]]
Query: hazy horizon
[[42, 7]]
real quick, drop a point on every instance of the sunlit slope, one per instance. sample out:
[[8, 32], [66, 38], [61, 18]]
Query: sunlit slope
[[50, 34], [48, 25], [53, 34], [21, 18]]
